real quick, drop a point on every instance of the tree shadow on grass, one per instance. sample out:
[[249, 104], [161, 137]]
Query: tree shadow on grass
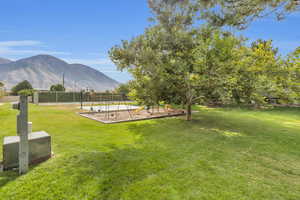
[[87, 175], [7, 176], [10, 175], [107, 175], [220, 128]]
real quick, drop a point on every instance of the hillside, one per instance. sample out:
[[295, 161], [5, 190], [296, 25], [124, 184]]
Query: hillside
[[42, 71], [4, 61]]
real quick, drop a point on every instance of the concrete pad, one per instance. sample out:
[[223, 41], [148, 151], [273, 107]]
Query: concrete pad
[[39, 149]]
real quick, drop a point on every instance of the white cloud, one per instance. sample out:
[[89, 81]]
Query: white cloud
[[16, 48], [21, 43], [13, 52]]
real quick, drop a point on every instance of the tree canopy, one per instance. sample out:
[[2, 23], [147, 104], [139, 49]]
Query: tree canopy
[[57, 87], [237, 13], [201, 66], [24, 85], [180, 61], [123, 89]]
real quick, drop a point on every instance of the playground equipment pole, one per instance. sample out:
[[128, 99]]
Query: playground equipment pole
[[81, 99]]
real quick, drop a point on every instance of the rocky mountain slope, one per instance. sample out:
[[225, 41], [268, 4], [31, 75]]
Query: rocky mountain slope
[[42, 71], [4, 61]]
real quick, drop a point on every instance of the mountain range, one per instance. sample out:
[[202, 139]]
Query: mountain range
[[4, 61], [42, 71]]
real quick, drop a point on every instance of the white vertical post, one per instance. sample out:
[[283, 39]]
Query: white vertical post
[[23, 145], [29, 127], [36, 97]]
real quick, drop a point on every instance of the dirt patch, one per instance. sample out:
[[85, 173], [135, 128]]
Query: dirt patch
[[127, 116]]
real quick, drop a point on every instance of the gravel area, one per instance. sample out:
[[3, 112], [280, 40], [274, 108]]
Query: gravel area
[[126, 116]]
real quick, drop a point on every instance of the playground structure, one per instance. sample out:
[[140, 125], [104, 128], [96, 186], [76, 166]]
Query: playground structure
[[109, 105], [114, 108]]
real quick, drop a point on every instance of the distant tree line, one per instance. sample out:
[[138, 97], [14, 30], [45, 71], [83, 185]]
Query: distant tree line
[[58, 87], [23, 87]]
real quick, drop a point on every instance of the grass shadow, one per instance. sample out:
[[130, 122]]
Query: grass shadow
[[7, 176], [94, 175]]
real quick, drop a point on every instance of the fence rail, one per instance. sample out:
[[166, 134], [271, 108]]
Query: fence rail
[[69, 97]]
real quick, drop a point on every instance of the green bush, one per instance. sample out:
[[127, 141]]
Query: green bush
[[58, 87], [26, 92], [24, 85]]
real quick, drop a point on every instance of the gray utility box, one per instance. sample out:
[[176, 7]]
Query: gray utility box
[[39, 149]]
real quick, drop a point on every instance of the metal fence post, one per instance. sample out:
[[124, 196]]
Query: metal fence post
[[81, 99]]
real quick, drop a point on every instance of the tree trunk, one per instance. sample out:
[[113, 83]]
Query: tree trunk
[[188, 112], [183, 105]]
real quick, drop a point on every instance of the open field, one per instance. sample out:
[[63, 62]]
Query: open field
[[226, 153]]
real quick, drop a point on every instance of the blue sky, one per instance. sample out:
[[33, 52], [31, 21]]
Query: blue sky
[[83, 31]]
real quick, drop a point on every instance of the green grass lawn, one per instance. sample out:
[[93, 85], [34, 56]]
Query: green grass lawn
[[222, 154]]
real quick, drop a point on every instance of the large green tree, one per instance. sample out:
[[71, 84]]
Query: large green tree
[[180, 60], [123, 89], [293, 67], [24, 85], [57, 87], [178, 65], [261, 74]]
